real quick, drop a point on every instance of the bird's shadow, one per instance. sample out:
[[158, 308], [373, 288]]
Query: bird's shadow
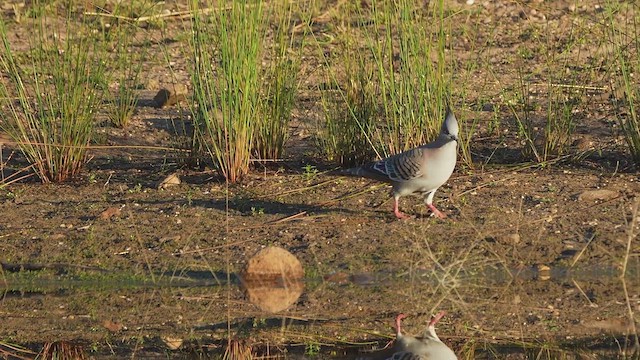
[[254, 323], [247, 206]]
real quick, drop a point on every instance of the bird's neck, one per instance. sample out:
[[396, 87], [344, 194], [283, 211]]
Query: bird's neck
[[431, 334], [440, 141]]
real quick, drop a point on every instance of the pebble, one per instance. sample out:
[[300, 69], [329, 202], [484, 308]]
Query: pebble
[[600, 194]]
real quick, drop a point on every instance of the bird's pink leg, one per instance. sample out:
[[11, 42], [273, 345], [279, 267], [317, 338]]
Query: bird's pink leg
[[437, 318], [399, 319], [396, 210], [436, 212], [398, 326]]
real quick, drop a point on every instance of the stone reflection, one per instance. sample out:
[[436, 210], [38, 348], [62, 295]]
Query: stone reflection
[[272, 279]]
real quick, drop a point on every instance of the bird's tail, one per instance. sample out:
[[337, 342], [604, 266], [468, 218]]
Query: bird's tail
[[362, 171], [356, 171]]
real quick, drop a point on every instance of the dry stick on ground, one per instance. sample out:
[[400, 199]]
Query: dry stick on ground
[[570, 86], [175, 14], [328, 202], [573, 263], [324, 17], [575, 283], [212, 247], [631, 235], [13, 351], [13, 177]]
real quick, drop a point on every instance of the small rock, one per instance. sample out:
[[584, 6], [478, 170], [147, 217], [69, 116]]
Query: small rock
[[112, 326], [180, 89], [169, 181], [165, 98], [616, 325], [583, 144], [273, 263], [153, 84], [488, 107], [172, 343], [544, 272], [337, 277], [57, 237], [272, 279], [510, 239], [110, 212], [600, 194]]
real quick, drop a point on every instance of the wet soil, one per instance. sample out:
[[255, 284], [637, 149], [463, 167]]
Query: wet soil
[[530, 256]]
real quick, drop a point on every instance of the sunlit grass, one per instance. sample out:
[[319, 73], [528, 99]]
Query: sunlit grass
[[411, 70], [280, 83], [51, 100], [127, 64], [390, 83], [61, 350], [349, 104], [546, 103], [625, 38], [226, 52]]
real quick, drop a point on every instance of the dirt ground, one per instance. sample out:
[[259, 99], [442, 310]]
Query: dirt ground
[[528, 261]]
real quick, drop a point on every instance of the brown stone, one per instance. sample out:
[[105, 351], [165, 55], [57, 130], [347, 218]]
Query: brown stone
[[600, 194], [165, 98], [273, 263], [272, 279]]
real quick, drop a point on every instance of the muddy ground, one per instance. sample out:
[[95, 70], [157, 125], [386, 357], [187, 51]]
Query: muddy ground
[[530, 256]]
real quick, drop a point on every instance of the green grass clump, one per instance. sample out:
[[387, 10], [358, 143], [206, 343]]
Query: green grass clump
[[50, 100], [226, 48], [61, 350], [394, 83], [281, 85], [350, 110], [625, 38], [127, 66], [408, 47], [550, 134]]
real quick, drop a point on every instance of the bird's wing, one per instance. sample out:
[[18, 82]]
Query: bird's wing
[[405, 355], [405, 166]]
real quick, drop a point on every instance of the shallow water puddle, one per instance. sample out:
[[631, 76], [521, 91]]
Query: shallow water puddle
[[530, 312]]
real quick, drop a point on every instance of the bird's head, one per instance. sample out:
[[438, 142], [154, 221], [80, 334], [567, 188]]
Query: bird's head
[[449, 128]]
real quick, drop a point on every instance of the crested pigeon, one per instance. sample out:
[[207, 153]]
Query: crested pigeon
[[420, 170], [428, 347]]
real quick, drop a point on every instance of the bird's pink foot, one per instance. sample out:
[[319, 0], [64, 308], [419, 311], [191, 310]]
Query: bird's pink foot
[[436, 212], [396, 210], [400, 215], [436, 318], [399, 319]]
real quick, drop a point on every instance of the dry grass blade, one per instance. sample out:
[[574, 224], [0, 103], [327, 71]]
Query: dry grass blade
[[128, 65], [280, 85], [386, 94], [173, 14], [61, 350], [11, 351], [227, 100], [632, 236], [57, 93], [622, 35], [237, 350]]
